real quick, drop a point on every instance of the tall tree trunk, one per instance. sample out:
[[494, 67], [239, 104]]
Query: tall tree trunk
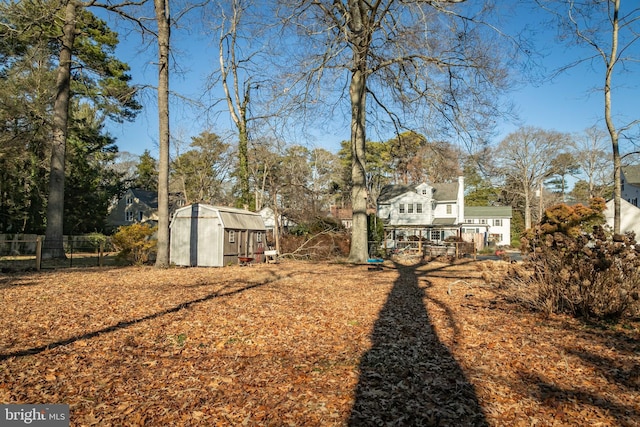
[[243, 161], [53, 243], [163, 19], [357, 92], [527, 207], [617, 164]]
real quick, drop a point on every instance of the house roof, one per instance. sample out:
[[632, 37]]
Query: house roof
[[488, 212], [149, 198], [444, 221], [632, 174], [447, 191], [389, 192], [441, 192]]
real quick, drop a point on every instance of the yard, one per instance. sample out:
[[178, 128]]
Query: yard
[[307, 344]]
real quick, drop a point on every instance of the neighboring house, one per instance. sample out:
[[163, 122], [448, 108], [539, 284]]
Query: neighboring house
[[629, 217], [141, 206], [434, 212], [630, 183], [214, 236], [344, 215], [269, 220], [494, 222]]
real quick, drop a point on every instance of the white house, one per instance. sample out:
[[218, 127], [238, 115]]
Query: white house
[[492, 221], [630, 182], [629, 217], [434, 212], [268, 217]]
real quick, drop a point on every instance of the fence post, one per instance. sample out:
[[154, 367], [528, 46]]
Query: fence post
[[100, 252], [38, 253]]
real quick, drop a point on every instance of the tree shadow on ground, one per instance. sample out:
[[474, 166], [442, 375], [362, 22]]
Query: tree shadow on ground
[[221, 293], [408, 377]]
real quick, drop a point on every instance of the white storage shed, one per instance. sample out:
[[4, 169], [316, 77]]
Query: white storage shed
[[214, 236]]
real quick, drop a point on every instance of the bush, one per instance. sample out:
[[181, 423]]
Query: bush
[[135, 243], [578, 269]]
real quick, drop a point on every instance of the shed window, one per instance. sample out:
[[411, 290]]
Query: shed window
[[232, 236], [259, 237]]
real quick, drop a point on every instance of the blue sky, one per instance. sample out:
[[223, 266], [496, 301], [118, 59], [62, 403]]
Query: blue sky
[[567, 103]]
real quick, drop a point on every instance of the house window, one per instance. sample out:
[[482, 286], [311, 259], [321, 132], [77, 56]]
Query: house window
[[424, 191], [449, 209], [232, 236], [497, 222], [419, 208], [129, 200], [483, 221], [128, 216], [435, 234], [140, 216], [410, 208], [401, 208]]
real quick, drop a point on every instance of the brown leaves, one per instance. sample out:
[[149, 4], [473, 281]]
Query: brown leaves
[[305, 344]]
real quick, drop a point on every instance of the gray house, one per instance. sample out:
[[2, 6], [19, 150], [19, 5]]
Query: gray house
[[137, 205], [214, 236]]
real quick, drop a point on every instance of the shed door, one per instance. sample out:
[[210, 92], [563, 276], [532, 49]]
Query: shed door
[[210, 242]]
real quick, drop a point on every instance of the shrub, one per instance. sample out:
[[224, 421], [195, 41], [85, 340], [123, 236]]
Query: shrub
[[577, 268], [135, 243]]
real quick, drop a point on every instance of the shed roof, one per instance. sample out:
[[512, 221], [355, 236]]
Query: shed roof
[[232, 218]]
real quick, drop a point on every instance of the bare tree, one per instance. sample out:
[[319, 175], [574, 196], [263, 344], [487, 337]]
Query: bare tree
[[401, 59], [610, 32], [591, 156], [526, 157]]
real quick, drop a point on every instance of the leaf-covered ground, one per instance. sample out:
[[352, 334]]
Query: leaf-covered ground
[[307, 344]]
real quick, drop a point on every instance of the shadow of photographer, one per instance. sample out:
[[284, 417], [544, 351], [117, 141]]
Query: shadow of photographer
[[408, 377]]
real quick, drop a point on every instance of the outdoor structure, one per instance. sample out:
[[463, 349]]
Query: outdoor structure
[[629, 217], [430, 212], [434, 215], [493, 222], [137, 205], [630, 182], [214, 236], [268, 217]]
